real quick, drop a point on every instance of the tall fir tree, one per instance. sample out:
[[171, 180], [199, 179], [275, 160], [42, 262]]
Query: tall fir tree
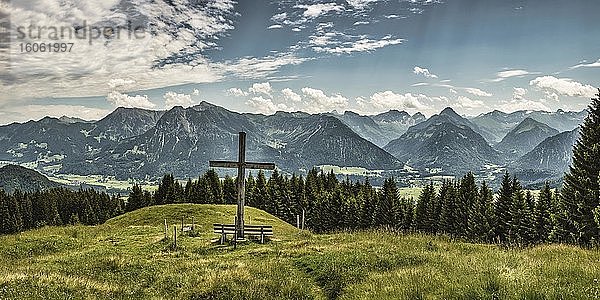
[[229, 190], [481, 217], [542, 215], [580, 192], [447, 198], [467, 195], [502, 207], [521, 223], [385, 210], [424, 209]]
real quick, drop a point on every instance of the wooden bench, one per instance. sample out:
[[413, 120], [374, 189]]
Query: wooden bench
[[249, 230]]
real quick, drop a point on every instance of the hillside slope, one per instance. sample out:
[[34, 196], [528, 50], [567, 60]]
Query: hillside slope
[[127, 258], [14, 177]]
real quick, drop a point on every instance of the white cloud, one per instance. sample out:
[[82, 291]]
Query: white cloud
[[361, 23], [468, 103], [563, 86], [261, 88], [503, 75], [196, 92], [318, 102], [587, 65], [173, 99], [36, 112], [275, 26], [477, 92], [519, 93], [288, 94], [109, 63], [420, 84], [296, 29], [515, 105], [123, 100], [425, 72], [265, 106], [255, 68], [279, 17], [236, 92], [360, 4], [326, 43], [382, 101], [519, 102], [316, 10]]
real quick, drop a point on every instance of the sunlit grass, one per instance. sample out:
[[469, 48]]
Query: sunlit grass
[[128, 258]]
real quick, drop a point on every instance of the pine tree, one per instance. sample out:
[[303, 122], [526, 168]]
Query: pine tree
[[521, 218], [262, 196], [447, 199], [229, 190], [213, 183], [467, 195], [542, 217], [481, 221], [385, 209], [368, 202], [580, 193], [136, 199], [424, 209], [502, 207]]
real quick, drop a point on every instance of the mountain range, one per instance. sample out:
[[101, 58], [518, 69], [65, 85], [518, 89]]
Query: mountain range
[[145, 144]]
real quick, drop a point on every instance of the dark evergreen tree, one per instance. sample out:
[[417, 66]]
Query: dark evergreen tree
[[481, 218], [368, 203], [229, 190], [386, 210], [447, 199], [136, 199], [581, 192], [262, 196], [425, 209], [521, 224], [542, 218], [467, 195], [502, 207]]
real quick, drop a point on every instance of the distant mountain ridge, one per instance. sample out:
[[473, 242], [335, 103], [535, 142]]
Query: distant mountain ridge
[[497, 124], [524, 137], [382, 128], [445, 141], [137, 143]]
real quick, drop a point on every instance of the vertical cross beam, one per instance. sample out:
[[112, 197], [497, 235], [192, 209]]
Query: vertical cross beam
[[241, 184]]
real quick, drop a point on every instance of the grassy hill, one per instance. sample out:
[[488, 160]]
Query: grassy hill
[[127, 258]]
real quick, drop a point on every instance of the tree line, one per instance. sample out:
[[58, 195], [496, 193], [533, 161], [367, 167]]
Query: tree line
[[21, 211], [460, 208]]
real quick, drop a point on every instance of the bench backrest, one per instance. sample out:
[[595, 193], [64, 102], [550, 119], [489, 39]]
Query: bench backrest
[[248, 229]]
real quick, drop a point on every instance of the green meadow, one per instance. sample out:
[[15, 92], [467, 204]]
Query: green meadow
[[128, 257]]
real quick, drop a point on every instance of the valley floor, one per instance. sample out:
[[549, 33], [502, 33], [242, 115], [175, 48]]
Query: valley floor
[[128, 258]]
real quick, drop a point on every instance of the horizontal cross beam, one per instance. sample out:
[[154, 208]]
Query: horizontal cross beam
[[235, 165]]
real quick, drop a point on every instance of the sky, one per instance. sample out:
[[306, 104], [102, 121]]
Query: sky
[[367, 56]]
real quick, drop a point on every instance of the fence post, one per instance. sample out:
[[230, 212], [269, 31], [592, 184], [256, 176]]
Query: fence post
[[166, 228], [303, 219], [175, 236], [298, 221], [181, 225]]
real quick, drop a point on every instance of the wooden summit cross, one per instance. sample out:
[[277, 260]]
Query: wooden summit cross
[[241, 165]]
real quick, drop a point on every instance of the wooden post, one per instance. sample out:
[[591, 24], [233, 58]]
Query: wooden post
[[174, 236], [241, 180], [181, 225], [298, 221], [166, 228], [303, 219]]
